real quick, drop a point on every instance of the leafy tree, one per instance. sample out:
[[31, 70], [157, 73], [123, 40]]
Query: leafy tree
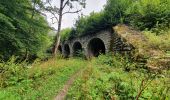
[[23, 32], [116, 10], [65, 33], [149, 14], [92, 24]]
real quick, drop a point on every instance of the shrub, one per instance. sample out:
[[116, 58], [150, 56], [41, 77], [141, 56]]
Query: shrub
[[115, 10], [104, 82], [91, 24], [149, 14], [38, 81], [116, 61], [65, 34], [12, 73], [110, 60], [161, 41]]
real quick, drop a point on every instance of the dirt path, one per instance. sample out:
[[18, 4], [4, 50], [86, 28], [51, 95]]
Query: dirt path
[[63, 92]]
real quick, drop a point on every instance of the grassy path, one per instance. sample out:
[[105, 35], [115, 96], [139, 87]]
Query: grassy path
[[61, 95]]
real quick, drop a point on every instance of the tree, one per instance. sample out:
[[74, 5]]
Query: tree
[[23, 32], [65, 7]]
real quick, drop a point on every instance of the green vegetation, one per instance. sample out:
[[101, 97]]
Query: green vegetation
[[23, 31], [161, 42], [106, 77], [116, 78], [153, 15], [66, 34], [147, 44], [91, 24], [41, 81], [23, 34], [150, 14]]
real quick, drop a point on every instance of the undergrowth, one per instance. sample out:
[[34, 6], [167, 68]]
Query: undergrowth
[[42, 81], [107, 78], [158, 41]]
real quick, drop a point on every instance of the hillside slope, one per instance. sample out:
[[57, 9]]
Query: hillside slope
[[156, 57]]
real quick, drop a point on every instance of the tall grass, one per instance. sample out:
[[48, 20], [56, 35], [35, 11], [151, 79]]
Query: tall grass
[[38, 81], [160, 41], [107, 80]]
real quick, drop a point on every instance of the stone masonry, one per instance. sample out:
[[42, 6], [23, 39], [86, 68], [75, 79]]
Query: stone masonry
[[105, 36], [106, 40]]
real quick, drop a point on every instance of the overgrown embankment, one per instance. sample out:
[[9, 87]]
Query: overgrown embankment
[[148, 46]]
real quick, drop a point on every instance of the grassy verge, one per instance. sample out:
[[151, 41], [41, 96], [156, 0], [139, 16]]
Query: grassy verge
[[41, 82], [107, 78]]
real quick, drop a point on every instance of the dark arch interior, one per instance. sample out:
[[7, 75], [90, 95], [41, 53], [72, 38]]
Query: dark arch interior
[[60, 49], [66, 50], [95, 47], [77, 48]]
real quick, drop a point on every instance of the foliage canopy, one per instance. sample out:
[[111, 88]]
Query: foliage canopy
[[23, 31]]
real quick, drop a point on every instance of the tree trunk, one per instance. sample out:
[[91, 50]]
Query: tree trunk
[[57, 39]]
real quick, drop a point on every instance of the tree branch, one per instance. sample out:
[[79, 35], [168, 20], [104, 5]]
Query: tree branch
[[65, 4], [54, 16], [53, 13], [53, 20], [71, 12]]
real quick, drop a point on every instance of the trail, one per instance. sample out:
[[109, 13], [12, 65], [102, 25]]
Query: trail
[[63, 92]]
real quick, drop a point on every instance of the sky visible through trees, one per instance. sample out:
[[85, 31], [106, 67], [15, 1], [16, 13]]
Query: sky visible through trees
[[69, 19]]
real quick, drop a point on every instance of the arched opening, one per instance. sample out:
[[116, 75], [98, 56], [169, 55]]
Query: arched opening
[[60, 49], [66, 50], [77, 49], [95, 47]]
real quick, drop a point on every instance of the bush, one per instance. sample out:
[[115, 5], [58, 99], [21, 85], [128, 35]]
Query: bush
[[91, 24], [116, 10], [161, 42], [116, 61], [149, 14], [12, 73], [20, 81], [65, 34], [104, 82]]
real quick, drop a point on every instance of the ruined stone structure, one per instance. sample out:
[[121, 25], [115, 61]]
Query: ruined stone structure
[[121, 39], [94, 44], [90, 45]]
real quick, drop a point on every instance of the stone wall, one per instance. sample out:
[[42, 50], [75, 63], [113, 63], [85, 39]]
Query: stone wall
[[105, 36], [120, 44], [121, 39], [111, 40]]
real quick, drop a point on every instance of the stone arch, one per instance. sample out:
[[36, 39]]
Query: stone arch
[[66, 50], [77, 48], [60, 49], [95, 47]]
